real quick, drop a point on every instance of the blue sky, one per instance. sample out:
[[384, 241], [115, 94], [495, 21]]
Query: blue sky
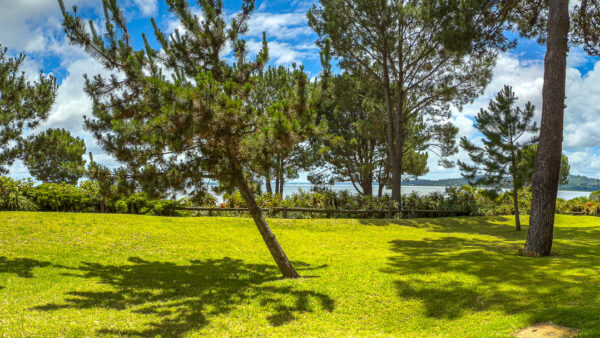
[[33, 27]]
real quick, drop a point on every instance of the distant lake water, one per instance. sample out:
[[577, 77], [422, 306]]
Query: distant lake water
[[293, 187]]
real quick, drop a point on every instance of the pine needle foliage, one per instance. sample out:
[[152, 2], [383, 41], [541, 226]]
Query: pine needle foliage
[[505, 130], [23, 104], [55, 156]]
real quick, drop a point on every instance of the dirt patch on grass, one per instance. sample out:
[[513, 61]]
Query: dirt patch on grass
[[546, 330]]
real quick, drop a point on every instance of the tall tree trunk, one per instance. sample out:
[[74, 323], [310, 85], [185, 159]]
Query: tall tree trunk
[[268, 184], [397, 165], [545, 179], [286, 268], [516, 201], [281, 183], [391, 132], [277, 181]]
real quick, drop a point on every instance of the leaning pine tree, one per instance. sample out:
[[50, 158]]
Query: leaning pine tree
[[496, 162], [181, 115]]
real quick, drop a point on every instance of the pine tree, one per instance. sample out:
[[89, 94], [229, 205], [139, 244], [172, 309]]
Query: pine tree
[[398, 45], [496, 162], [23, 104], [55, 156], [179, 116], [354, 147]]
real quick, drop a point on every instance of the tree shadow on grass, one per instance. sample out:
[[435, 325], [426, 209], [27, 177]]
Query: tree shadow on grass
[[22, 267], [185, 297], [497, 226], [452, 276]]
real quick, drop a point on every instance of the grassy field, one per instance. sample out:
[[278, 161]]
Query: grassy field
[[86, 274]]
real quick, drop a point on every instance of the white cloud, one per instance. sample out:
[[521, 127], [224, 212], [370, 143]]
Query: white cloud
[[279, 26], [586, 162], [32, 26], [283, 53], [147, 7]]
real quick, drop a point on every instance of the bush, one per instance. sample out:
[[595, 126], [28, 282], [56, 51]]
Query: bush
[[60, 197], [14, 195], [121, 207]]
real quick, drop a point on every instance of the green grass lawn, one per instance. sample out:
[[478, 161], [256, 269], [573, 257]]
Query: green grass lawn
[[90, 274]]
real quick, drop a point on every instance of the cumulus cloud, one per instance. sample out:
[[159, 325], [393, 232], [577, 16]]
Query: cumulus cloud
[[283, 53], [279, 26], [32, 26]]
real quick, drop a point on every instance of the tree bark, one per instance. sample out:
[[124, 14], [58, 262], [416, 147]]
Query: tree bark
[[268, 184], [367, 185], [286, 268], [516, 201], [545, 179]]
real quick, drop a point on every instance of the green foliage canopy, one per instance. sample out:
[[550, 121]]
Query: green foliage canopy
[[55, 156]]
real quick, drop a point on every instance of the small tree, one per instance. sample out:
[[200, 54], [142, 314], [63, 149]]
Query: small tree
[[496, 163], [54, 156], [22, 104], [176, 131]]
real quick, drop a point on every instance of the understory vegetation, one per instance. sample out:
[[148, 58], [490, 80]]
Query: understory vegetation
[[23, 195], [65, 274]]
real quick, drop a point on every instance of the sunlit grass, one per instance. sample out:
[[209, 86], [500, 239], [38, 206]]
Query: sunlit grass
[[89, 274]]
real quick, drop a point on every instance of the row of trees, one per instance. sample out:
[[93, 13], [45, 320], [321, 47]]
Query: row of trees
[[177, 112]]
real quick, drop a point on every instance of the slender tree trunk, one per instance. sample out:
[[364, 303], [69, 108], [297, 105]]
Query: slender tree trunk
[[268, 184], [286, 268], [396, 163], [545, 179], [277, 182], [516, 201], [281, 183]]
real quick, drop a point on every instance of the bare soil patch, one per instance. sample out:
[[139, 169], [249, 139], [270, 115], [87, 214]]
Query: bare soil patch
[[540, 330]]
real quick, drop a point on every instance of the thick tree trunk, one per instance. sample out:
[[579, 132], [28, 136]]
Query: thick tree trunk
[[286, 268], [516, 201], [367, 185], [545, 179]]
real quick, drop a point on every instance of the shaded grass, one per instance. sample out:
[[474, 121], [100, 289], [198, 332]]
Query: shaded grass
[[87, 274]]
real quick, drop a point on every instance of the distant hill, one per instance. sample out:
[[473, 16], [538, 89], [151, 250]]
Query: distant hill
[[576, 183]]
